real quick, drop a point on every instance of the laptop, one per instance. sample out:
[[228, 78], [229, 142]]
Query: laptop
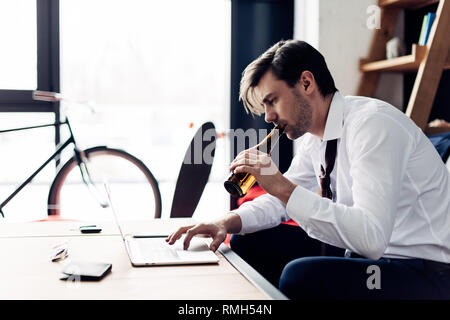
[[154, 250]]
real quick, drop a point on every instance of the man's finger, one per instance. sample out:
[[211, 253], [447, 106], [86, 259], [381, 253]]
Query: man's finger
[[199, 228], [246, 154], [177, 234], [253, 160], [247, 169], [216, 243]]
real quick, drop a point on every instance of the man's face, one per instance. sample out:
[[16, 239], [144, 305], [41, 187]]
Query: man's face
[[284, 105]]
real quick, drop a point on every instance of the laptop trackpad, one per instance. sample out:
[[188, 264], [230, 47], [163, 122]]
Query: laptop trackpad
[[154, 251]]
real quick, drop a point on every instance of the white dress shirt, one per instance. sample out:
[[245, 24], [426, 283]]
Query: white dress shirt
[[391, 190]]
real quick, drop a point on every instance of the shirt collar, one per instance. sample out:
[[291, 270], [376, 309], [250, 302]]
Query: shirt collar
[[334, 124]]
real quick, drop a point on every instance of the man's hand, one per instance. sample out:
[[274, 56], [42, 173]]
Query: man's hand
[[261, 166], [217, 230]]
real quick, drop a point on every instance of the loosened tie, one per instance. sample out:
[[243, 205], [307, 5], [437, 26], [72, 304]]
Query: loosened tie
[[330, 158], [325, 182]]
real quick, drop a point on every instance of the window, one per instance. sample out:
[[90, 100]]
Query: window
[[18, 57], [155, 71], [27, 62]]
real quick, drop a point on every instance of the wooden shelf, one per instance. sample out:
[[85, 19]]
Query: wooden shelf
[[401, 64], [409, 63], [406, 4]]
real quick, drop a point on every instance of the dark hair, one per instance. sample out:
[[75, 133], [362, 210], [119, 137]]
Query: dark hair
[[287, 59]]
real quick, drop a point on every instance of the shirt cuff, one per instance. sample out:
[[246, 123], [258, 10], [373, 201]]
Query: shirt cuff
[[248, 219], [302, 204]]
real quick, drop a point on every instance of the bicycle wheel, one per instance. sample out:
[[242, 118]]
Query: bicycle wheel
[[134, 189]]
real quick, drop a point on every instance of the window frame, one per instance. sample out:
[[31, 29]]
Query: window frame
[[47, 14]]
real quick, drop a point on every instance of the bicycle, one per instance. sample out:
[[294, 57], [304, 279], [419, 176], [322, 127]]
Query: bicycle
[[92, 168]]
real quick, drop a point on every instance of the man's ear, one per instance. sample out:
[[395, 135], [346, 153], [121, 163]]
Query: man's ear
[[306, 84], [306, 81]]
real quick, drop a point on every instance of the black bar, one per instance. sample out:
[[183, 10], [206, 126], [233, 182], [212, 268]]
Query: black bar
[[22, 101], [48, 45], [48, 53], [26, 107], [18, 96]]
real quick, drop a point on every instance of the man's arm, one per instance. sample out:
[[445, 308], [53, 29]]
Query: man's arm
[[264, 212], [260, 165], [378, 147], [268, 211]]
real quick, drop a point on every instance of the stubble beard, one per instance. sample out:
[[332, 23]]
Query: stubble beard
[[302, 117]]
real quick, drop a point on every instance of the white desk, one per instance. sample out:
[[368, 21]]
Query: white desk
[[26, 271]]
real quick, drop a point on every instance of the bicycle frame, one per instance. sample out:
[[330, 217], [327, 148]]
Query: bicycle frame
[[78, 154]]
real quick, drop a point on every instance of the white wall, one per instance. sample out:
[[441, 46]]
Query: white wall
[[338, 29]]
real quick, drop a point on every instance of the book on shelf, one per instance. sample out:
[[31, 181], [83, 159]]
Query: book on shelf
[[427, 22]]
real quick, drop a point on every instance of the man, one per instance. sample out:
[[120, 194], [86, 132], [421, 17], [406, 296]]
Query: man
[[384, 193]]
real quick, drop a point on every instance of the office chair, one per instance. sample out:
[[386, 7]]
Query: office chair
[[194, 172]]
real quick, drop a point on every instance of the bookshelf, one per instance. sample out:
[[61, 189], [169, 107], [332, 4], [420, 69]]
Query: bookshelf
[[428, 61]]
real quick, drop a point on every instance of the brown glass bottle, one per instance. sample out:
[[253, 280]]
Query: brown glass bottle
[[238, 184]]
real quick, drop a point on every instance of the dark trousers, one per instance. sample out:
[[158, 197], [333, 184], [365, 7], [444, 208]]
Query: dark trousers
[[291, 260]]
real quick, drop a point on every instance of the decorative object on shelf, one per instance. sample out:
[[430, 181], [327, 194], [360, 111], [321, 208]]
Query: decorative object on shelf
[[395, 48]]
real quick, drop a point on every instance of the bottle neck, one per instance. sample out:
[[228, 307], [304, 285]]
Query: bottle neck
[[270, 140]]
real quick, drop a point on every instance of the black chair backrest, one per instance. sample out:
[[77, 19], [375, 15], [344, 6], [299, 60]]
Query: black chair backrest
[[194, 172]]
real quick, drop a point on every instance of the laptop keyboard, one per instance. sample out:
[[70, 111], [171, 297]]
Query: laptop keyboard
[[154, 250]]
